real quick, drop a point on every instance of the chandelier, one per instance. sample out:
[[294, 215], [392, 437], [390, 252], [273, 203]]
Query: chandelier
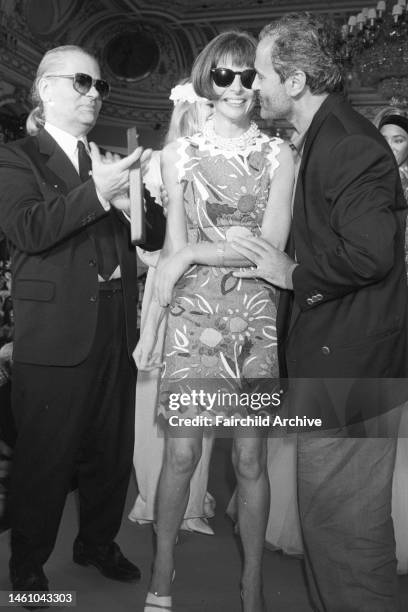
[[375, 49]]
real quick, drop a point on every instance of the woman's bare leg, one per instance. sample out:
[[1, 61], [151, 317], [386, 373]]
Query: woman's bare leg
[[249, 459], [180, 459]]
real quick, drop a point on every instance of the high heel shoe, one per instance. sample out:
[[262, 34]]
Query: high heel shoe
[[242, 600], [155, 602], [209, 505], [199, 525]]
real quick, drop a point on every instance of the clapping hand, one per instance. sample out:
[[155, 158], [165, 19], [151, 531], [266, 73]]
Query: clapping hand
[[145, 160], [111, 174], [270, 263], [120, 201]]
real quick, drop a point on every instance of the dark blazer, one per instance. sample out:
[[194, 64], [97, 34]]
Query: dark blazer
[[347, 314], [45, 213]]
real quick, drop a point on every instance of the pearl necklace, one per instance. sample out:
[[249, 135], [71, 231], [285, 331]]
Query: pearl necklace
[[236, 144]]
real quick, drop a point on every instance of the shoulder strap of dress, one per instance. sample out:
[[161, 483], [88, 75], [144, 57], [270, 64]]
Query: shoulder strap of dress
[[274, 146]]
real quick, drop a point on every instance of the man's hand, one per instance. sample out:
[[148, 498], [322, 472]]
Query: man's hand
[[120, 201], [271, 264], [144, 160], [111, 174], [108, 157]]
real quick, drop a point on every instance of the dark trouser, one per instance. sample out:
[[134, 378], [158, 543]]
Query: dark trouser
[[7, 426], [344, 488], [73, 420]]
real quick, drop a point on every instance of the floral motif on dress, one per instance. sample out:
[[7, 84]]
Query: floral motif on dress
[[221, 329]]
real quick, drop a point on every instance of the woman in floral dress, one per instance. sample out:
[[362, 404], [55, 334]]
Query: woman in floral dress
[[227, 181]]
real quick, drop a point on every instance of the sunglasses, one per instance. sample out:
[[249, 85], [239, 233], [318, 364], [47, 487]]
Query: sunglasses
[[82, 83], [224, 77]]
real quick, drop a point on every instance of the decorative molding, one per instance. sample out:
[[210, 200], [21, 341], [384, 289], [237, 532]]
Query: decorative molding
[[181, 29]]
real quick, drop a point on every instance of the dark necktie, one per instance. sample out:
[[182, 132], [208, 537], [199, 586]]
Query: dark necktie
[[84, 162], [102, 229]]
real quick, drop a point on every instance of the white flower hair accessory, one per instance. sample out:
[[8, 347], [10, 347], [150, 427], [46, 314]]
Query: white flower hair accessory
[[184, 93]]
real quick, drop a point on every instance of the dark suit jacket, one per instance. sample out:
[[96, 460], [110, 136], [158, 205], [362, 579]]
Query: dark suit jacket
[[45, 213], [347, 314]]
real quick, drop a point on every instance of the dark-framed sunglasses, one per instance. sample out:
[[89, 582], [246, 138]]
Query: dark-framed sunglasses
[[82, 83], [224, 77]]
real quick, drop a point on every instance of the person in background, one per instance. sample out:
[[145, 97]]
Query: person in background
[[188, 117], [74, 290], [392, 121], [393, 124]]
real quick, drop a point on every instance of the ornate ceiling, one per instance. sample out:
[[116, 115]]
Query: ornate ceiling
[[144, 46]]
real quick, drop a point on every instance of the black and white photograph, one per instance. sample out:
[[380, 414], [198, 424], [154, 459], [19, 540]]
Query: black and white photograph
[[204, 305]]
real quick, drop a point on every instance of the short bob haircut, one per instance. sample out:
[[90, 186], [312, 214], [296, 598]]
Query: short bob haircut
[[235, 46]]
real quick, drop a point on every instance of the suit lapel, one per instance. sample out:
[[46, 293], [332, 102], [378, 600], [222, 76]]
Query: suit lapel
[[298, 205], [62, 174], [58, 162], [299, 200], [324, 110]]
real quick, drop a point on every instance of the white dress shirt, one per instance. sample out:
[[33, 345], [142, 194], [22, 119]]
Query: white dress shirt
[[69, 144]]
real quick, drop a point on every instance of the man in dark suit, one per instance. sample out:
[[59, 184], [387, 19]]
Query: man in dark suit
[[342, 316], [74, 294]]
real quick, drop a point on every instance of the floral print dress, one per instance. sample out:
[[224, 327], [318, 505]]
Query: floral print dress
[[221, 330]]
